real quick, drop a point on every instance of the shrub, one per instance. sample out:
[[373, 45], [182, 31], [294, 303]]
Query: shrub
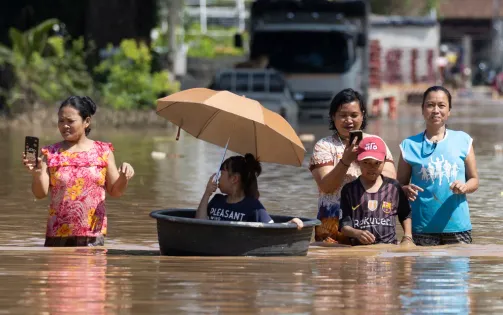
[[44, 70], [129, 82]]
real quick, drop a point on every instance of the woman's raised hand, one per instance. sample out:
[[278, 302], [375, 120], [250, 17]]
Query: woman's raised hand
[[350, 152], [31, 165], [411, 191]]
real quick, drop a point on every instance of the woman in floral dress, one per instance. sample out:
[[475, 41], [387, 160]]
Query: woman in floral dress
[[77, 172], [333, 163]]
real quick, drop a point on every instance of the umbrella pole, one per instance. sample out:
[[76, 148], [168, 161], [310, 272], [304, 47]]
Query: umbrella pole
[[178, 132], [217, 176]]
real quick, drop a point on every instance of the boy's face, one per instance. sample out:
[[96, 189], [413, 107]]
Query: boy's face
[[371, 169]]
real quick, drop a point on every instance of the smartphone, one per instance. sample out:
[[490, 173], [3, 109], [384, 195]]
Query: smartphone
[[31, 149], [355, 134]]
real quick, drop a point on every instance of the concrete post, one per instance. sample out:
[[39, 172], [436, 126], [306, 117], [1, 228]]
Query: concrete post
[[173, 10], [497, 35], [467, 60], [240, 7], [366, 54], [203, 16]]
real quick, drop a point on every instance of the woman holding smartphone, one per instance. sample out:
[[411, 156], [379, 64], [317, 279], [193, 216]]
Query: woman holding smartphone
[[77, 172], [333, 162], [437, 169]]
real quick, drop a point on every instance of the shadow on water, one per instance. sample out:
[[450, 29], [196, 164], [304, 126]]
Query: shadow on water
[[132, 252]]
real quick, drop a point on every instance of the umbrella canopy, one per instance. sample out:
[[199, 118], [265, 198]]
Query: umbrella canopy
[[219, 116]]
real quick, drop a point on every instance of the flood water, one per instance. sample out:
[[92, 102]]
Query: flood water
[[128, 276]]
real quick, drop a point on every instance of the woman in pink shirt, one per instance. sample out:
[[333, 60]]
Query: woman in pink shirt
[[77, 172]]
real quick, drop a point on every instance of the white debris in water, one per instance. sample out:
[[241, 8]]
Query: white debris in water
[[158, 155], [307, 137]]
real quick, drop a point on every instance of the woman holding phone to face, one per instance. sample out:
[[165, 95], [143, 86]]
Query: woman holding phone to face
[[333, 162], [437, 169], [77, 172]]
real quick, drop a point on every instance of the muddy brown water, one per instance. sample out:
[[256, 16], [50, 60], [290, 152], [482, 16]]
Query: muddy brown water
[[128, 276]]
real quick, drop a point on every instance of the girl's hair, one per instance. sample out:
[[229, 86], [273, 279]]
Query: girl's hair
[[437, 88], [83, 104], [343, 97], [249, 168]]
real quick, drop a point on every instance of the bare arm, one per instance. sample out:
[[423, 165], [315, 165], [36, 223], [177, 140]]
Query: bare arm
[[330, 178], [404, 172], [40, 180], [117, 179], [40, 176], [472, 177], [407, 232], [202, 209], [471, 172], [403, 177], [389, 169], [364, 236], [407, 227]]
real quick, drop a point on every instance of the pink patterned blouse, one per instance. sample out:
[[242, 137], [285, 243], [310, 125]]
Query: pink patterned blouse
[[77, 187]]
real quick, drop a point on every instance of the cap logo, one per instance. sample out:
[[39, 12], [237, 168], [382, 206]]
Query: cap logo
[[370, 146]]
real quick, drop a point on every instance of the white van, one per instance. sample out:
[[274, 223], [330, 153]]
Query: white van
[[266, 86]]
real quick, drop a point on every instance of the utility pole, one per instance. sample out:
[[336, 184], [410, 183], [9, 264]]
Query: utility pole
[[203, 19], [174, 7], [240, 7]]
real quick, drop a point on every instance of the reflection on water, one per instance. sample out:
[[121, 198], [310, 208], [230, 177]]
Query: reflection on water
[[129, 277], [359, 281]]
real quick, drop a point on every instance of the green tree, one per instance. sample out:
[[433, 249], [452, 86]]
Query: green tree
[[44, 70], [129, 82]]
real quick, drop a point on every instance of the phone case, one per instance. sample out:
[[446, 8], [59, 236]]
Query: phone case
[[31, 149], [352, 136]]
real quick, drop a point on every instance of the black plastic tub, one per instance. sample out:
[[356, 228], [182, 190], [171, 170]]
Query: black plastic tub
[[182, 235]]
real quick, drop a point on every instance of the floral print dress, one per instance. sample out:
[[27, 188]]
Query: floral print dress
[[77, 188], [329, 151]]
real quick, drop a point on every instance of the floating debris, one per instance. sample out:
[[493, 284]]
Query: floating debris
[[498, 149], [307, 137], [158, 155]]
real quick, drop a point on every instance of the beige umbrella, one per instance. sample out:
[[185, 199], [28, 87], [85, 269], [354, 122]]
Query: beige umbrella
[[221, 117]]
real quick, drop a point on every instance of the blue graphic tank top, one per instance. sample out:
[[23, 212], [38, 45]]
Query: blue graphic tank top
[[434, 168]]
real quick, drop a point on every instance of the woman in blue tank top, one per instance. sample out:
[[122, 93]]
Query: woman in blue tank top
[[437, 169]]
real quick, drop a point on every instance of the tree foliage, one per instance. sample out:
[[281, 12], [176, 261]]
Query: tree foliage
[[130, 83], [45, 68]]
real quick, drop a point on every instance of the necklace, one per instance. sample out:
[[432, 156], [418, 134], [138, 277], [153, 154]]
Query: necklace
[[434, 146]]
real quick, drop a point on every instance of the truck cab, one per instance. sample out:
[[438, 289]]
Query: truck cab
[[267, 86], [319, 46]]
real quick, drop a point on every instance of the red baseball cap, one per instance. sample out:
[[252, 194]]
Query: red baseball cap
[[372, 147]]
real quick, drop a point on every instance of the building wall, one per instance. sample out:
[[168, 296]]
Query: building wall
[[407, 52]]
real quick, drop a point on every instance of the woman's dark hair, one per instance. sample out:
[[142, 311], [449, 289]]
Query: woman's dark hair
[[248, 168], [437, 88], [83, 104], [343, 97]]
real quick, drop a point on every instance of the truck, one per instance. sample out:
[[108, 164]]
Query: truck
[[320, 46]]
